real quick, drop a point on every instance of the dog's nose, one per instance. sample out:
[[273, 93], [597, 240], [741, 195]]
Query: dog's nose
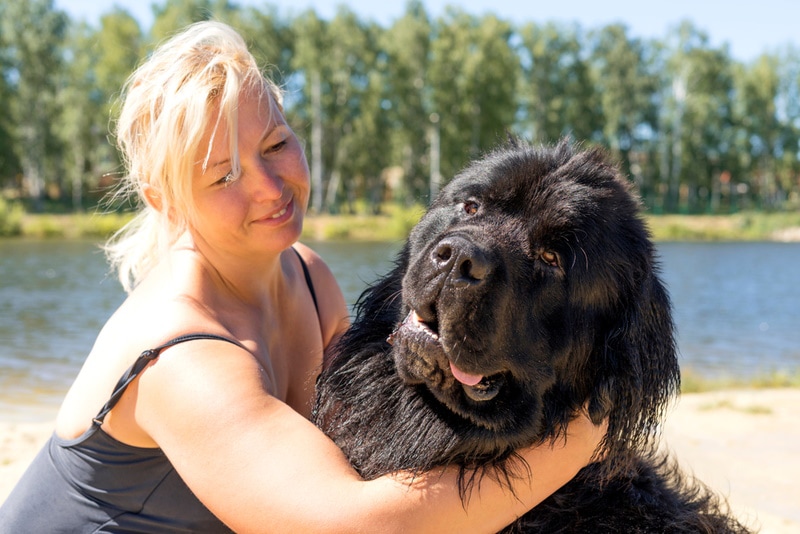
[[466, 263]]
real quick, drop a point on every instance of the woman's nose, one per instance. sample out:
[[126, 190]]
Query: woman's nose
[[268, 184]]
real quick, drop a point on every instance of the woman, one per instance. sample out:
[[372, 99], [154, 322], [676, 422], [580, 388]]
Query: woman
[[207, 430]]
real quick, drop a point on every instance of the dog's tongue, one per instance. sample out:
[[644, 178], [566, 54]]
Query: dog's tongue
[[465, 378]]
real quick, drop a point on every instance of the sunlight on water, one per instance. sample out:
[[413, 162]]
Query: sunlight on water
[[736, 308], [736, 305]]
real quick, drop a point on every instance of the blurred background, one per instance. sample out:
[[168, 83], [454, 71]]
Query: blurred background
[[699, 101]]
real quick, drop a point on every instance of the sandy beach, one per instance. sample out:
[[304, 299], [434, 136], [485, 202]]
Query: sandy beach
[[744, 443]]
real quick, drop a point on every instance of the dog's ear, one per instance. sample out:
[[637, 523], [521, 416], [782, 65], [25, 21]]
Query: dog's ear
[[639, 369], [652, 340]]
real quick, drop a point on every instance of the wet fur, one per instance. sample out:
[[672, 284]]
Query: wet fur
[[593, 328]]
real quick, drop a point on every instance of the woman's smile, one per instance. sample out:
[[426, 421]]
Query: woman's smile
[[277, 217]]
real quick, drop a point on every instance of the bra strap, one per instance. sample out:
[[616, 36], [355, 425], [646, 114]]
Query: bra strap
[[141, 362], [309, 283]]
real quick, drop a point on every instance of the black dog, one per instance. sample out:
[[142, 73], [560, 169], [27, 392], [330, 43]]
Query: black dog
[[528, 291]]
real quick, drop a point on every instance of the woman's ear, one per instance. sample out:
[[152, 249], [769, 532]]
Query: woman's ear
[[152, 196]]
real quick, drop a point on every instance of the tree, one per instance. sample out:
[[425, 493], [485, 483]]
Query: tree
[[557, 92], [176, 14], [473, 73], [413, 102], [269, 38], [9, 164], [117, 47], [305, 85], [788, 112], [406, 46], [79, 101], [366, 144], [335, 67], [626, 88], [96, 64], [698, 119], [34, 31], [350, 59], [769, 148]]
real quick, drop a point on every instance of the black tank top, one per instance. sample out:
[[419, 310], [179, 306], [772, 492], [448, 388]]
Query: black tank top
[[95, 483]]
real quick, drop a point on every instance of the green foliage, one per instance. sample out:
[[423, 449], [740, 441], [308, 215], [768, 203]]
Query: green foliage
[[269, 37], [473, 75], [748, 226], [80, 225], [407, 47], [99, 225], [33, 34], [693, 382], [395, 222], [393, 225], [46, 226], [175, 14], [10, 218], [387, 113], [625, 83], [556, 88]]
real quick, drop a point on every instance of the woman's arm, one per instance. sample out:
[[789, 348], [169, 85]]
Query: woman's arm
[[434, 506], [259, 465]]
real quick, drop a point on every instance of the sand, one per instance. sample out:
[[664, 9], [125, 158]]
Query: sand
[[744, 443]]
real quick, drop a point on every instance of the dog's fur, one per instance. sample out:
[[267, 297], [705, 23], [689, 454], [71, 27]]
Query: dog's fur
[[528, 292]]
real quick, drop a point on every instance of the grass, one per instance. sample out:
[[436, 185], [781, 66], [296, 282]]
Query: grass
[[692, 382], [396, 222], [11, 215], [393, 224], [745, 226], [727, 404], [72, 226]]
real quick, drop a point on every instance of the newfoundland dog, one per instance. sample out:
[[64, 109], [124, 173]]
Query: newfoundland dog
[[528, 291]]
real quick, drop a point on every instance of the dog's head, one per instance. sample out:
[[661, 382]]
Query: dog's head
[[529, 291]]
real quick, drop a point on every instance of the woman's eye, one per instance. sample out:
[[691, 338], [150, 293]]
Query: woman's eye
[[550, 258], [276, 147], [227, 179], [471, 207]]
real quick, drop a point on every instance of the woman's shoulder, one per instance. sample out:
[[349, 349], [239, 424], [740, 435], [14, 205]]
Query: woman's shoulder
[[150, 318], [333, 312], [321, 274], [310, 256]]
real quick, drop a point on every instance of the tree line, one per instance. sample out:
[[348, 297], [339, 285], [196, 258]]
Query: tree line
[[392, 112]]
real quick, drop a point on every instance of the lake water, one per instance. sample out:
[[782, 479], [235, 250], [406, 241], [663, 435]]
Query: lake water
[[737, 308]]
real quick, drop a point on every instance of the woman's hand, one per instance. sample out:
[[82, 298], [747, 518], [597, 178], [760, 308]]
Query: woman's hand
[[556, 462]]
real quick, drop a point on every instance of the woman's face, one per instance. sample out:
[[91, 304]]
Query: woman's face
[[261, 208]]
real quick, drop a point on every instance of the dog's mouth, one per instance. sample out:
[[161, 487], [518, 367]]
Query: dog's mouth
[[427, 340]]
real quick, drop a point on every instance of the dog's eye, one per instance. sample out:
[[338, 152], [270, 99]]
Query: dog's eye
[[471, 207], [550, 258]]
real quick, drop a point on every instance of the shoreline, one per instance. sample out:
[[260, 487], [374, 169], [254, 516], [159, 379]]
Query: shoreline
[[395, 222], [741, 442]]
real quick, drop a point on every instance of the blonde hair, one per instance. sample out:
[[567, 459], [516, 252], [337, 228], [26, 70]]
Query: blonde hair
[[190, 82]]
